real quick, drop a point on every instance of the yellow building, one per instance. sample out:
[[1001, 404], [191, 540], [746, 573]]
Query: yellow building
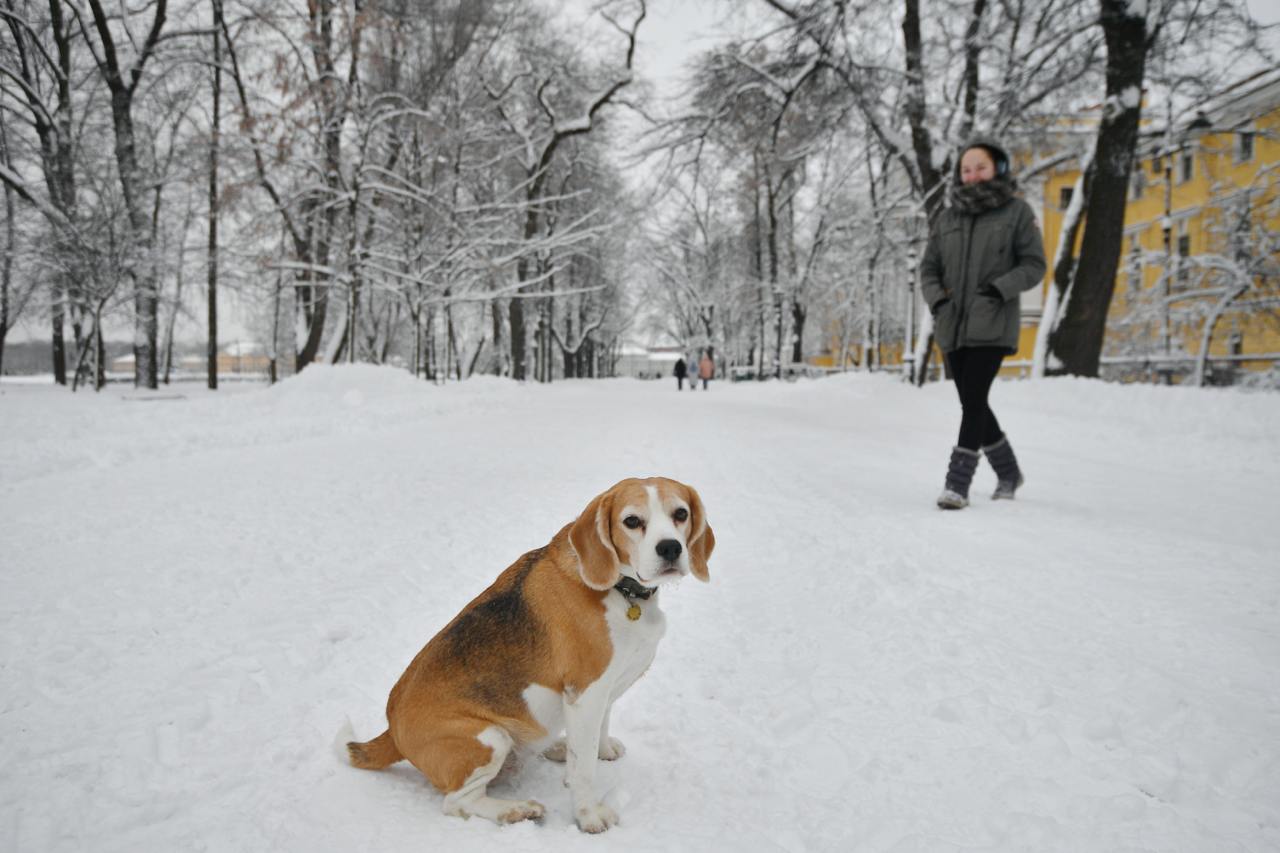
[[1200, 264]]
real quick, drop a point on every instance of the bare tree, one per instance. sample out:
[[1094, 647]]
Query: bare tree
[[122, 82], [14, 297], [1076, 342], [996, 72], [1179, 37], [215, 139], [541, 132], [40, 66]]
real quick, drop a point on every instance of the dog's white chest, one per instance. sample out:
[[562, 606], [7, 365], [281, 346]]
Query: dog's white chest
[[634, 642]]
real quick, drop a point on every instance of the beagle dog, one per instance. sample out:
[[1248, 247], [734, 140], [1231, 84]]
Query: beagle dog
[[548, 648]]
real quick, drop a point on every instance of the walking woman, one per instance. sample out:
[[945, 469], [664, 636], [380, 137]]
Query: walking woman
[[984, 250], [706, 369]]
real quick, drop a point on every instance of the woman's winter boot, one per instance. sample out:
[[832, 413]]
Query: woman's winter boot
[[1008, 476], [955, 494]]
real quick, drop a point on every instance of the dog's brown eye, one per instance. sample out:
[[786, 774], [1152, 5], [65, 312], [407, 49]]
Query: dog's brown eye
[[681, 514], [632, 521]]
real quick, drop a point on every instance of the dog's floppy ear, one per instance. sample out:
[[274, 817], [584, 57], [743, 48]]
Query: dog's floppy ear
[[702, 541], [589, 535]]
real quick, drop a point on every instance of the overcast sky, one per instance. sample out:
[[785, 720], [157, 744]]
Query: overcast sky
[[1266, 11]]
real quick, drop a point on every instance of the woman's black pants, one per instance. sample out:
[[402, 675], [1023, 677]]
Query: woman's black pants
[[973, 369]]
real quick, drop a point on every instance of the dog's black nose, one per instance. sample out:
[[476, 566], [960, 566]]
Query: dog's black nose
[[669, 550]]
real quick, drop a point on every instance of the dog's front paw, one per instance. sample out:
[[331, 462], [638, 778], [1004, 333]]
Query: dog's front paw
[[611, 749], [526, 810], [558, 751], [596, 818]]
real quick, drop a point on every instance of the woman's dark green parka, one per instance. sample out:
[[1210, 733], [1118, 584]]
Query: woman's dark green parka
[[999, 248]]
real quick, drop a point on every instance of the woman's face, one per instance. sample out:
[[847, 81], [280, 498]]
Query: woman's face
[[976, 165]]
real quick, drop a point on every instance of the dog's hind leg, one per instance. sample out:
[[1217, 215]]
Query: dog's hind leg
[[485, 755]]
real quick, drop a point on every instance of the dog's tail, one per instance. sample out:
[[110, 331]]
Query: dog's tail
[[375, 754]]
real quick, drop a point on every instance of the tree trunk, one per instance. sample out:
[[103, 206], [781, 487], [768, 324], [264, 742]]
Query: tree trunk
[[868, 335], [6, 270], [177, 297], [775, 290], [100, 357], [876, 310], [757, 257], [495, 316], [146, 300], [82, 353], [60, 177], [59, 348], [475, 358], [332, 119], [54, 132], [313, 298], [932, 180], [214, 143], [569, 359], [1077, 342], [972, 55], [798, 316], [515, 319], [1063, 270], [6, 265], [275, 329]]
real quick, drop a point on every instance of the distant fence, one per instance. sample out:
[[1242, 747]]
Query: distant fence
[[1272, 357], [1154, 364], [789, 372], [121, 376]]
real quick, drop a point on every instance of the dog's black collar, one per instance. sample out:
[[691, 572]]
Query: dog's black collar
[[634, 589]]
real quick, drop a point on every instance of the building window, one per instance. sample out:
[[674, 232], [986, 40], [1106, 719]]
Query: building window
[[1186, 165], [1133, 269], [1157, 165], [1064, 197], [1137, 185], [1244, 146], [1182, 264]]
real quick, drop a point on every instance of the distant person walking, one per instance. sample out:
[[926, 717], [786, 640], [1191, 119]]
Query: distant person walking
[[983, 251], [706, 369], [681, 371]]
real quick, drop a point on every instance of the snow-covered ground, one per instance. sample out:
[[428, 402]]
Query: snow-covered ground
[[199, 593]]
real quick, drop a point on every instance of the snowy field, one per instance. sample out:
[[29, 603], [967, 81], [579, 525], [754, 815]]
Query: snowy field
[[202, 595]]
